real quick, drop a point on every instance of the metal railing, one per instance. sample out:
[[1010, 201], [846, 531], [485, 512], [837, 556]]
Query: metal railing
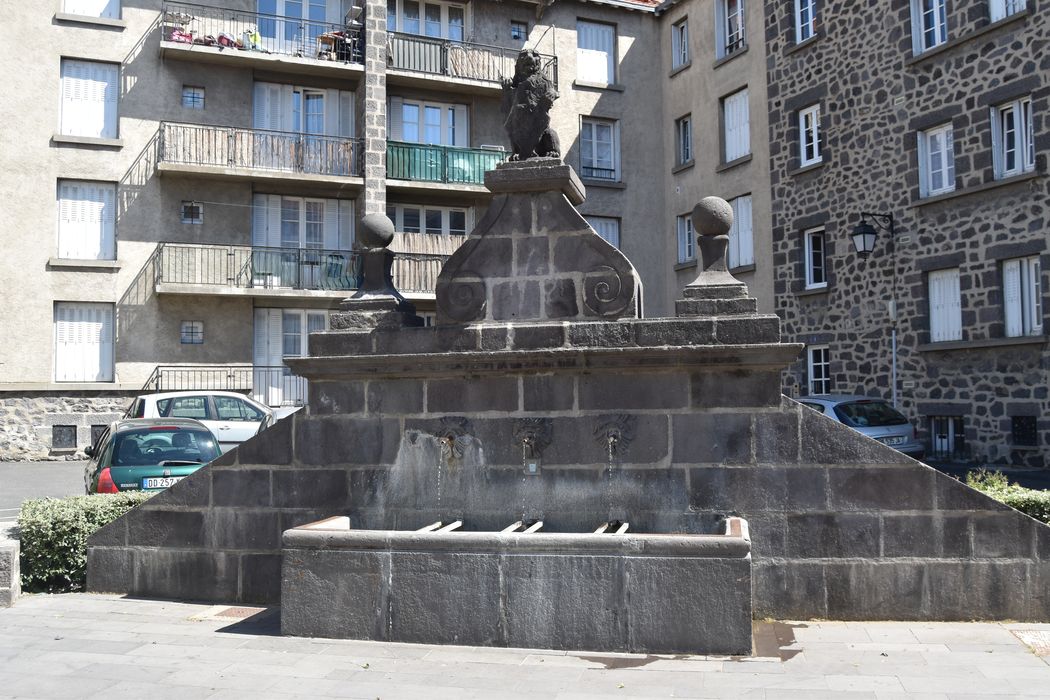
[[237, 30], [597, 173], [413, 161], [458, 59], [258, 149], [256, 267], [273, 386]]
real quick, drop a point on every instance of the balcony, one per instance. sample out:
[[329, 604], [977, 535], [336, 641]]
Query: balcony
[[464, 63], [217, 270], [263, 41], [258, 154], [273, 386], [444, 165]]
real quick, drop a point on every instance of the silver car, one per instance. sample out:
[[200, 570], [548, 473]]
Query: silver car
[[875, 418]]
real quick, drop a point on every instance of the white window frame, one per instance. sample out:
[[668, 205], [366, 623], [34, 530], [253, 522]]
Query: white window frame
[[809, 136], [936, 160], [816, 257], [945, 301], [730, 27], [683, 131], [191, 333], [680, 44], [686, 239], [818, 357], [396, 19], [608, 227], [736, 126], [596, 57], [193, 97], [805, 20], [186, 212], [1001, 9], [84, 340], [589, 149], [453, 129], [89, 97], [396, 212], [103, 9], [1023, 296], [741, 235], [1013, 138], [87, 216], [929, 24]]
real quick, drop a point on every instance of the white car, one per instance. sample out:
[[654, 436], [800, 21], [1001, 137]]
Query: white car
[[231, 417]]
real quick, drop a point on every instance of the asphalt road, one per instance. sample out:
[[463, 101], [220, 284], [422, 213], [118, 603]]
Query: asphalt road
[[23, 480]]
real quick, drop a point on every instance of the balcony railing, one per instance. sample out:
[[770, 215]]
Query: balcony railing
[[413, 161], [458, 59], [255, 267], [273, 386], [237, 30], [258, 149]]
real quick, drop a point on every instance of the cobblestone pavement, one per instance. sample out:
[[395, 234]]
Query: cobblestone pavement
[[94, 646]]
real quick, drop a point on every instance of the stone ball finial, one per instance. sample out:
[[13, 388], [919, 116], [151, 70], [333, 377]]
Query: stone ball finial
[[377, 231], [713, 216]]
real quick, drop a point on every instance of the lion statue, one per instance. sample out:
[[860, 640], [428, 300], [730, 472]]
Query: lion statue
[[527, 100]]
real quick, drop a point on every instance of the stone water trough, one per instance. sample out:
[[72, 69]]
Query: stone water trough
[[523, 586]]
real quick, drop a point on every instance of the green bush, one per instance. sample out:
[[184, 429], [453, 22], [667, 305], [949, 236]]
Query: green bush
[[1033, 502], [54, 532]]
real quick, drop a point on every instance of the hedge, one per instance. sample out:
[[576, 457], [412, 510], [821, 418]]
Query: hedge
[[1033, 502], [54, 532]]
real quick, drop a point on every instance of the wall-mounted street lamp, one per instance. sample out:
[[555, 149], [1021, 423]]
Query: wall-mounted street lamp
[[864, 236]]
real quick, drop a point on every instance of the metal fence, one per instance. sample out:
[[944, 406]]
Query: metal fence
[[413, 161], [237, 30], [258, 149], [458, 59], [273, 386]]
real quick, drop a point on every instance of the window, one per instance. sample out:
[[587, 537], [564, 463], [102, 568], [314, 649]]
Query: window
[[519, 31], [234, 409], [89, 99], [86, 218], [680, 44], [1001, 9], [302, 110], [438, 123], [191, 333], [302, 222], [929, 24], [805, 20], [109, 9], [63, 437], [438, 19], [595, 53], [947, 437], [683, 130], [599, 149], [729, 33], [818, 362], [741, 243], [809, 136], [606, 227], [195, 407], [1013, 142], [816, 258], [419, 218], [83, 342], [945, 305], [736, 125], [192, 213], [686, 239], [1023, 431], [936, 161], [192, 97], [1023, 296]]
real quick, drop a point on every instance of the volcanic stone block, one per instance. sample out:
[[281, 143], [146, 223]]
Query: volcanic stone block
[[953, 495], [746, 330], [601, 335], [735, 389], [237, 528], [632, 391], [186, 574], [819, 536], [260, 576], [396, 396], [240, 487], [548, 392], [515, 300], [743, 489], [532, 257], [169, 528], [776, 438], [333, 440], [705, 438], [271, 447], [482, 394], [876, 590], [314, 488], [826, 441], [1002, 535], [533, 336], [908, 487], [336, 594], [110, 570], [975, 590], [194, 490], [337, 397], [790, 589], [560, 299], [675, 332], [427, 340], [910, 536], [115, 533], [807, 489]]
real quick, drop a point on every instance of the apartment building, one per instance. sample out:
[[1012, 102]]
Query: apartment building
[[926, 121]]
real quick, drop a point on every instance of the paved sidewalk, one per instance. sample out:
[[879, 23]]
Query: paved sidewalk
[[86, 646]]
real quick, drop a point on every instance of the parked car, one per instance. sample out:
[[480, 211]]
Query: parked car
[[875, 418], [232, 417], [147, 454]]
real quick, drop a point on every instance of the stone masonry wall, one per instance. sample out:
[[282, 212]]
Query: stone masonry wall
[[874, 97], [27, 420]]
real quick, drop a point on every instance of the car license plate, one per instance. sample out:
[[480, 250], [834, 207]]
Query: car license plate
[[159, 482], [894, 440]]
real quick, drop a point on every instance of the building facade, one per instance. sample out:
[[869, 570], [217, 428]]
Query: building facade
[[931, 112]]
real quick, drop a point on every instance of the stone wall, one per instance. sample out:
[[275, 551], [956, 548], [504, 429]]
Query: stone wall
[[27, 421], [875, 96]]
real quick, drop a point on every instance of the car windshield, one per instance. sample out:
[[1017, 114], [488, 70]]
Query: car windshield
[[152, 446], [869, 414]]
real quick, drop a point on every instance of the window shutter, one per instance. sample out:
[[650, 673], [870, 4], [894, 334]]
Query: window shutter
[[741, 245], [89, 99], [87, 213], [260, 204], [923, 142], [94, 8], [346, 114], [331, 224], [394, 118], [346, 224], [462, 126], [945, 306], [997, 143], [1012, 298], [737, 126], [83, 342], [1034, 294], [595, 52]]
